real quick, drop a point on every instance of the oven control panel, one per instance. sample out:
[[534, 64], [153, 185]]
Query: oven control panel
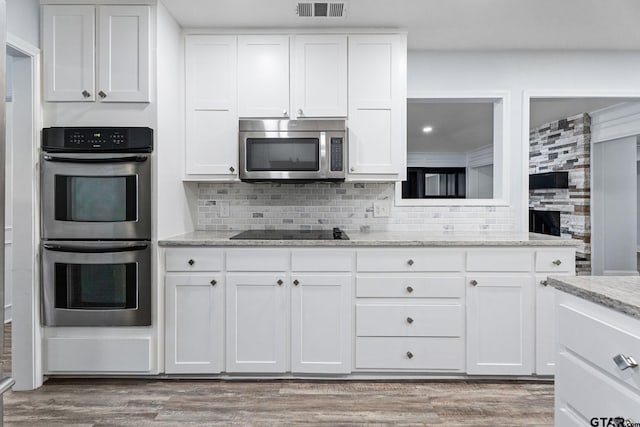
[[94, 139]]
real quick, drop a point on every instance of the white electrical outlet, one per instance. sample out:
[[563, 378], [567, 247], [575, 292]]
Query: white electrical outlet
[[381, 208], [223, 209]]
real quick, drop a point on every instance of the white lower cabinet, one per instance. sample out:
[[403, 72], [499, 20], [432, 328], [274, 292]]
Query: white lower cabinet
[[500, 324], [194, 323]]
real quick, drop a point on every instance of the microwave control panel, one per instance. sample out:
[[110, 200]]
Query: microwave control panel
[[97, 139], [337, 150]]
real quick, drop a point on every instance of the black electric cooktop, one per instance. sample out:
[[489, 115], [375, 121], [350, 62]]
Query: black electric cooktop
[[335, 234]]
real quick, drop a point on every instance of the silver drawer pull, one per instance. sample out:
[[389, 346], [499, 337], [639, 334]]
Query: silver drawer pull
[[625, 362], [213, 282], [279, 282], [191, 262], [410, 262], [296, 282], [474, 282], [544, 283], [556, 262], [409, 289], [409, 320], [409, 355]]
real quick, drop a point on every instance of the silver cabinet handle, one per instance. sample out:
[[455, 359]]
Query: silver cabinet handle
[[102, 94], [300, 112], [409, 289], [409, 320], [624, 362], [232, 169], [352, 169], [86, 94], [410, 262], [296, 282], [191, 262], [279, 282], [409, 355], [213, 282], [284, 113], [544, 283], [474, 282], [556, 262]]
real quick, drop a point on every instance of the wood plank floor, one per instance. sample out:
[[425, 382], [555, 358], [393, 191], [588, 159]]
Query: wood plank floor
[[115, 402]]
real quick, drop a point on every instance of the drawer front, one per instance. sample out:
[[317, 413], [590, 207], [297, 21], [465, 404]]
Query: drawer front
[[500, 260], [410, 287], [591, 393], [258, 260], [193, 260], [437, 354], [415, 320], [411, 260], [322, 260], [555, 261], [599, 342]]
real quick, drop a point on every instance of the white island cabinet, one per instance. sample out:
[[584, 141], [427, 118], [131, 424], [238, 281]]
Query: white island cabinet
[[117, 57]]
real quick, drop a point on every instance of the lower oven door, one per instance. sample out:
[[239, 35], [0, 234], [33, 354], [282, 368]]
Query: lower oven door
[[96, 283]]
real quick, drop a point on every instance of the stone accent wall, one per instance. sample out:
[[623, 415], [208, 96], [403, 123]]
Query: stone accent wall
[[564, 145], [326, 205]]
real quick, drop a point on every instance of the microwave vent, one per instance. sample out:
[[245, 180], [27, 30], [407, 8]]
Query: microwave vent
[[321, 9]]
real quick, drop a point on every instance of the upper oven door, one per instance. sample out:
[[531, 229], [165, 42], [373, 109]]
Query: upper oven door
[[96, 196], [286, 155]]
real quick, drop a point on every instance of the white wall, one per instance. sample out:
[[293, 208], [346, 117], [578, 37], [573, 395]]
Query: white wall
[[638, 203], [23, 20], [568, 73]]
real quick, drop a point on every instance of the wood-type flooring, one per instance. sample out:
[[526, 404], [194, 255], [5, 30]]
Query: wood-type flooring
[[143, 402]]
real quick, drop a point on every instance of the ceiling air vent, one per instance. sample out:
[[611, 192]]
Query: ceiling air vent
[[321, 9]]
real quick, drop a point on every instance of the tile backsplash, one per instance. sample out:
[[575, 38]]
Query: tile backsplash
[[325, 205]]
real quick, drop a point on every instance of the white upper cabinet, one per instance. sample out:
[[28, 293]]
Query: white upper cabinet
[[68, 45], [212, 108], [377, 106], [121, 53], [263, 76], [319, 81]]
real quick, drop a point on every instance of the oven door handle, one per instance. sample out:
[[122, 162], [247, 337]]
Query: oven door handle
[[95, 250], [128, 159]]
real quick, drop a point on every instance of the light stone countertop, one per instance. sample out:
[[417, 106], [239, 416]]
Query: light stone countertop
[[377, 238], [620, 293]]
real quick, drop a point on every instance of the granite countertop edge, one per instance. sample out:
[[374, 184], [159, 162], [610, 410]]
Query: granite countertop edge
[[594, 296], [407, 239]]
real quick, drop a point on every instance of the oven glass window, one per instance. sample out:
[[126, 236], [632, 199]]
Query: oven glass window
[[283, 154], [95, 198], [96, 286]]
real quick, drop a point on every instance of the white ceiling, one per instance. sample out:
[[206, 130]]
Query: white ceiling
[[445, 24]]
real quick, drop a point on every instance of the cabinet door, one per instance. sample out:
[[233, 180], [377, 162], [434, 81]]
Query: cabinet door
[[211, 104], [68, 50], [123, 48], [500, 330], [194, 323], [545, 327], [377, 106], [257, 313], [263, 76], [321, 323], [320, 76]]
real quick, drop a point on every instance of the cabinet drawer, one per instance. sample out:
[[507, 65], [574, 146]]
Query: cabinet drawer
[[552, 261], [598, 342], [415, 320], [499, 260], [426, 353], [322, 260], [409, 287], [193, 260], [258, 260], [407, 260], [591, 393]]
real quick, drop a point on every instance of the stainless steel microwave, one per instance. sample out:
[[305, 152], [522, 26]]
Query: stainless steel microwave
[[301, 150]]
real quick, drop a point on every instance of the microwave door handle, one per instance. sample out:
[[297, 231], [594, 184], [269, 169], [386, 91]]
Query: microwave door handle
[[128, 159], [94, 250]]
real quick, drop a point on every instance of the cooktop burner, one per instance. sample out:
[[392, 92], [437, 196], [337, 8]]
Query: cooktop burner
[[335, 234]]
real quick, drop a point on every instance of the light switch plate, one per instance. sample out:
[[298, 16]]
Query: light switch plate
[[223, 211], [381, 208]]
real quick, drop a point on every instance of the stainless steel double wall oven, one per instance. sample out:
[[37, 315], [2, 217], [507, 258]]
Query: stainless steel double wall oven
[[96, 226]]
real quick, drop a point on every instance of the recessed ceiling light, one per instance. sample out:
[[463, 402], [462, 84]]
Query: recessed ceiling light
[[427, 129]]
